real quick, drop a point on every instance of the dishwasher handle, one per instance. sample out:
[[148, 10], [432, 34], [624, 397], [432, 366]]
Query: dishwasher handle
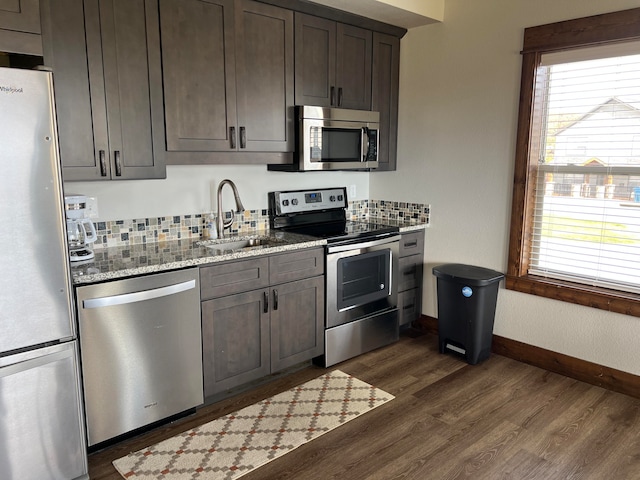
[[139, 296]]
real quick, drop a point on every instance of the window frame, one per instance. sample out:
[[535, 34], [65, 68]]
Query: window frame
[[608, 28]]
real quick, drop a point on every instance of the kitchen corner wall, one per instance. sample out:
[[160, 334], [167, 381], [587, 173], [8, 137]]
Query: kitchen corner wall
[[193, 189], [459, 88]]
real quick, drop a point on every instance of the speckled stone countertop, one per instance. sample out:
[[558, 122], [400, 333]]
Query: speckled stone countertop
[[121, 262]]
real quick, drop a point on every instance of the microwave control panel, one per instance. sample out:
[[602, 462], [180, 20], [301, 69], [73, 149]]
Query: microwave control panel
[[300, 201]]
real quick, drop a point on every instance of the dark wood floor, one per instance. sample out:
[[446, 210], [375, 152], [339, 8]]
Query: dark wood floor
[[501, 419]]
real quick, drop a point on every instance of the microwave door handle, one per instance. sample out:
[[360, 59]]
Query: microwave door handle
[[365, 143]]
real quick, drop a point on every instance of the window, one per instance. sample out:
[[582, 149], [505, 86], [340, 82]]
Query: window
[[575, 233]]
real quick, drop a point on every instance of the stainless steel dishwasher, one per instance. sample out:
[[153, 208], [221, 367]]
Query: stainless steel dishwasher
[[141, 351]]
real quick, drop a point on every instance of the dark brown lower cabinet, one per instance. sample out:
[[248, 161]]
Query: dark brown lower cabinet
[[410, 266], [297, 321], [247, 335], [235, 336]]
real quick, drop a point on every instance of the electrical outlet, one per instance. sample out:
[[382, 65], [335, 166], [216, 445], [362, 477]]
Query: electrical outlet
[[92, 207], [352, 192]]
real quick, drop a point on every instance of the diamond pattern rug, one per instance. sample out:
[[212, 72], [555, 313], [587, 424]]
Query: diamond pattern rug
[[233, 445]]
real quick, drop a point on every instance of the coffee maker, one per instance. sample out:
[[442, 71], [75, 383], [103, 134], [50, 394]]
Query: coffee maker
[[81, 232]]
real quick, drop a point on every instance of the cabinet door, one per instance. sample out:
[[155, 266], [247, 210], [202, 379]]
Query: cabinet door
[[315, 66], [198, 53], [412, 243], [106, 62], [297, 322], [222, 279], [235, 340], [409, 272], [291, 266], [353, 68], [409, 306], [80, 109], [384, 96], [264, 75], [132, 78], [20, 15]]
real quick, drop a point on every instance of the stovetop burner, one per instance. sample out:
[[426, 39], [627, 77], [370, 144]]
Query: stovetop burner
[[320, 213]]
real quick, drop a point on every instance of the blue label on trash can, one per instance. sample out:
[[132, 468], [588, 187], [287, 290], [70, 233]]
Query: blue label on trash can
[[467, 291]]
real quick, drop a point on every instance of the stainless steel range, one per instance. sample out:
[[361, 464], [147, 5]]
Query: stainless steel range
[[361, 269]]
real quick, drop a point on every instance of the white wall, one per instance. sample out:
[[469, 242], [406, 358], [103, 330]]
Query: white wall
[[192, 189], [459, 88]]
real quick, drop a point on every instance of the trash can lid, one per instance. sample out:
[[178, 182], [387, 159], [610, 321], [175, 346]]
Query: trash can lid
[[468, 274]]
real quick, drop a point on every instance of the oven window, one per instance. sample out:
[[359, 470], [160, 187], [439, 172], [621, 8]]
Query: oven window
[[363, 278], [336, 144]]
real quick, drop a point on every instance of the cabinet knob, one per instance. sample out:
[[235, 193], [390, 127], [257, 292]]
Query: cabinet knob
[[266, 302], [340, 96], [275, 299]]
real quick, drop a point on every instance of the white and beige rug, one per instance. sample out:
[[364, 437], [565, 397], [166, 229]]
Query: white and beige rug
[[235, 444]]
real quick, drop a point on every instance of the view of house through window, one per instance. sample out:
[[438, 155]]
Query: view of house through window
[[587, 196]]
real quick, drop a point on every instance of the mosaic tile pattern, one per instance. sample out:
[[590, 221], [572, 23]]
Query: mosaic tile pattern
[[233, 445], [383, 210], [122, 233]]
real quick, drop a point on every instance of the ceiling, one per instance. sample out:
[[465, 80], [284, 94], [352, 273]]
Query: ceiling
[[401, 13]]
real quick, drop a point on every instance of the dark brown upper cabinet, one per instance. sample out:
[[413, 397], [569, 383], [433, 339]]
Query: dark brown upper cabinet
[[228, 78], [20, 27], [20, 15], [333, 63], [384, 96], [106, 62]]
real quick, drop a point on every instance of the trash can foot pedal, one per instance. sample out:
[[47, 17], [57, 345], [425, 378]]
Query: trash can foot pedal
[[455, 349]]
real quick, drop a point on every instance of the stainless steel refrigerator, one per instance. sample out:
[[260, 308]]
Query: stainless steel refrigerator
[[41, 420]]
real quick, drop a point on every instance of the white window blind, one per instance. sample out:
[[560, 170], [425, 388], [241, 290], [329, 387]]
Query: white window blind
[[587, 194]]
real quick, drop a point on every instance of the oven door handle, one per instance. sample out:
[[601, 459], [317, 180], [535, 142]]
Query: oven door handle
[[379, 240]]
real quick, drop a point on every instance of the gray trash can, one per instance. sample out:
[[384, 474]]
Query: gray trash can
[[467, 298]]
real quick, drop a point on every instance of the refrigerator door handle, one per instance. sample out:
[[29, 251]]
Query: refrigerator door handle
[[138, 296], [7, 371]]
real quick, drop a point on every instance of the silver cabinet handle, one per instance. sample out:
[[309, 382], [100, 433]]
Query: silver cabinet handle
[[139, 296], [103, 164], [116, 156], [232, 137], [243, 137]]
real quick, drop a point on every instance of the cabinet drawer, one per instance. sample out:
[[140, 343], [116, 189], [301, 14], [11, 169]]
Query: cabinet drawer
[[296, 265], [233, 277], [409, 305], [409, 272], [412, 243]]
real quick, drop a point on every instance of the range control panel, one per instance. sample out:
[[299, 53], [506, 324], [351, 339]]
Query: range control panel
[[310, 200]]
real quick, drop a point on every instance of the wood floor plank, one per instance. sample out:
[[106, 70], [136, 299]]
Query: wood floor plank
[[500, 419]]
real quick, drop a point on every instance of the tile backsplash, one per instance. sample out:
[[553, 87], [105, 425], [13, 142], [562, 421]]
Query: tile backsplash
[[118, 233]]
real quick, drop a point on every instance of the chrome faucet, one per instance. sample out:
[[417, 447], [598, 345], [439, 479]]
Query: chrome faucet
[[220, 222]]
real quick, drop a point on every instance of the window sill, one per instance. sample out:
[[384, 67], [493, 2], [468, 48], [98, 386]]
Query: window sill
[[596, 297]]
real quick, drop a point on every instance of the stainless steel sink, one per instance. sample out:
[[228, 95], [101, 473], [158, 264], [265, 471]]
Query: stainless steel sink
[[230, 246]]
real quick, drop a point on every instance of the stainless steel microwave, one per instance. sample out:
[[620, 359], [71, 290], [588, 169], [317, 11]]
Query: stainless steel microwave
[[334, 139]]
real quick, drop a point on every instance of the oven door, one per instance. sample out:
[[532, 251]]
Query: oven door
[[361, 279]]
